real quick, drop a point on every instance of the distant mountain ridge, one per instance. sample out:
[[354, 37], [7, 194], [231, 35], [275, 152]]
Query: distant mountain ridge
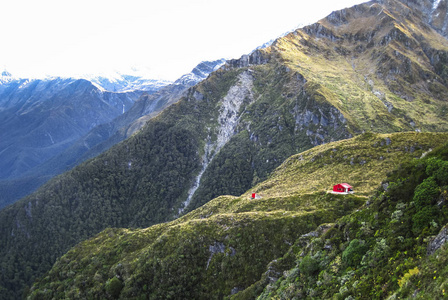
[[146, 107], [115, 82], [41, 117], [200, 72], [127, 117], [119, 83]]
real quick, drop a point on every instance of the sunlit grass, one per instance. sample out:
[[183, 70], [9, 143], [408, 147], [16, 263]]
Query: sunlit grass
[[362, 162]]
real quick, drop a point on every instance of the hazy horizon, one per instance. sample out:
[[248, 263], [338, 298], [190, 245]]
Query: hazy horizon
[[160, 40]]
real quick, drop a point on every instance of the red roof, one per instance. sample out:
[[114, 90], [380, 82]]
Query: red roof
[[346, 185]]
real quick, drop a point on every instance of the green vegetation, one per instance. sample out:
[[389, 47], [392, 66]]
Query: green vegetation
[[383, 249], [145, 179], [226, 245], [357, 75], [120, 188], [269, 132], [373, 72], [356, 161]]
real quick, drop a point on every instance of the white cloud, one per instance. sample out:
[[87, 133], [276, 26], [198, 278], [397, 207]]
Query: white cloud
[[169, 37]]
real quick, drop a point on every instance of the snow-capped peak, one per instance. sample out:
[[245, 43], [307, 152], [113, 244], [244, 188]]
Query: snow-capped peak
[[6, 74], [6, 77], [200, 72], [135, 79]]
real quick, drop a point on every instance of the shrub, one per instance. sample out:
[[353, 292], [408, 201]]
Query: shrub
[[439, 169], [355, 251], [402, 281], [423, 218], [309, 265], [114, 287], [426, 193]]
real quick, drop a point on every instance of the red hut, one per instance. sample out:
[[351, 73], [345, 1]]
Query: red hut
[[255, 196], [343, 188]]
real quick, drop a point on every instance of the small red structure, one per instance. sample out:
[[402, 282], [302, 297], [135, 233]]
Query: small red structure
[[343, 188], [254, 195]]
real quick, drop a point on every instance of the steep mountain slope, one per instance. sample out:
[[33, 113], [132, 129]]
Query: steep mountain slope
[[229, 132], [146, 107], [434, 12], [392, 248], [226, 245], [374, 67], [106, 134], [381, 65], [41, 118]]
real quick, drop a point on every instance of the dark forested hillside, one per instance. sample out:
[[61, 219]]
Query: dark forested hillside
[[146, 179]]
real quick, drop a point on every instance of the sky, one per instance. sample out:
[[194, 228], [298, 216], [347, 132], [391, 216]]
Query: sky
[[161, 39]]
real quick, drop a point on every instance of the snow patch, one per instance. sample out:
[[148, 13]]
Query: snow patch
[[24, 84], [6, 77], [434, 7], [99, 87], [120, 83]]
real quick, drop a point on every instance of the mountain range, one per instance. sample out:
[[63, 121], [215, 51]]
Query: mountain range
[[347, 99], [72, 120], [119, 83]]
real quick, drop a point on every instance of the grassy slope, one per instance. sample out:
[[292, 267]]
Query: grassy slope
[[227, 244], [370, 58], [384, 250], [357, 161]]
